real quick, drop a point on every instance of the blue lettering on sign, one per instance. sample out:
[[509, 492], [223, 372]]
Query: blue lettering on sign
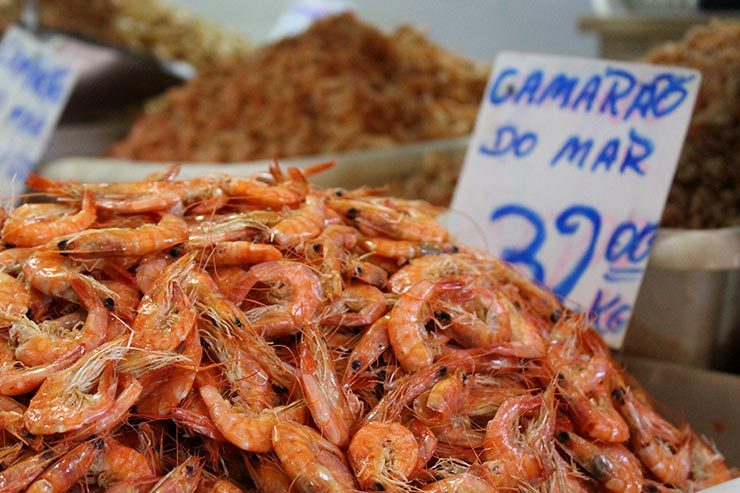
[[620, 93], [26, 121], [47, 83], [627, 243], [609, 313], [509, 139], [502, 91], [577, 150]]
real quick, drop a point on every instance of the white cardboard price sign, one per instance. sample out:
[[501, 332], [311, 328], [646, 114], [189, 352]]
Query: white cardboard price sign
[[34, 87], [568, 171]]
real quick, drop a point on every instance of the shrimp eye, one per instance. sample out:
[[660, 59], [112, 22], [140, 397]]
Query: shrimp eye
[[352, 213], [356, 364], [382, 374], [176, 251], [443, 317], [48, 454], [189, 470], [454, 249], [555, 316], [429, 326], [99, 444], [29, 313], [442, 372], [339, 193], [279, 389], [618, 395], [651, 489], [358, 271], [563, 437], [317, 247], [561, 377], [238, 322], [379, 487], [109, 303], [62, 245]]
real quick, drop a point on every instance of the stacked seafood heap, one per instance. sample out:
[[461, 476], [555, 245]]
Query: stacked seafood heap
[[339, 86], [227, 334]]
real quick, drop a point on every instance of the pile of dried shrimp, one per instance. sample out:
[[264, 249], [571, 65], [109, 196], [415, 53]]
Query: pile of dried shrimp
[[242, 334]]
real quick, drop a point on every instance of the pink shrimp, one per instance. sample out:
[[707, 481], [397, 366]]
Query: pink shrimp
[[68, 470], [298, 306], [612, 465], [314, 463], [238, 253], [39, 346], [327, 400], [166, 314], [14, 299], [36, 224], [304, 224], [361, 304], [284, 192], [178, 383], [168, 232], [248, 431], [17, 379], [372, 344], [520, 457], [406, 328]]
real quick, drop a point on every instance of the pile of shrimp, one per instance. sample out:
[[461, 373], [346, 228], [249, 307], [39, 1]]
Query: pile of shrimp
[[261, 334]]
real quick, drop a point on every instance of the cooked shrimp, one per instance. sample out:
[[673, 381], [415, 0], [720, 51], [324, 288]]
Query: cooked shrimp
[[373, 218], [130, 197], [18, 476], [14, 299], [166, 314], [303, 224], [37, 224], [219, 486], [168, 232], [39, 344], [185, 478], [125, 400], [177, 384], [409, 338], [314, 463], [325, 397], [238, 253], [383, 455], [225, 317], [207, 230], [405, 250], [612, 465], [663, 449], [267, 473], [16, 379], [372, 344], [294, 297], [120, 463], [247, 381], [68, 470], [330, 253], [63, 402], [360, 304], [432, 268], [284, 192], [52, 274], [519, 455], [593, 413], [248, 431]]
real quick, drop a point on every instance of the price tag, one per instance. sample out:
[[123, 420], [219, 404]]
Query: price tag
[[34, 87], [301, 14], [568, 171]]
